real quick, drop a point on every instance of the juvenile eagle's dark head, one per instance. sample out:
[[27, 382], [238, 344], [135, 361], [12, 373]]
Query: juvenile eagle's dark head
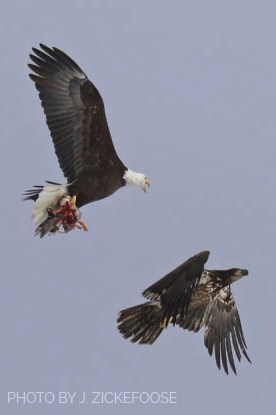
[[228, 276]]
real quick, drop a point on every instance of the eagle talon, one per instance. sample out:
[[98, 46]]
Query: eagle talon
[[68, 215], [165, 322], [72, 202]]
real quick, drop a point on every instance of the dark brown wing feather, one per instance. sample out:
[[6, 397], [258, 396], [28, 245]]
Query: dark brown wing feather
[[175, 289], [141, 323], [193, 319], [224, 330], [74, 112], [206, 290]]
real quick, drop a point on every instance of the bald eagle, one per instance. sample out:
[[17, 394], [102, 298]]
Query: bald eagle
[[191, 297], [77, 122]]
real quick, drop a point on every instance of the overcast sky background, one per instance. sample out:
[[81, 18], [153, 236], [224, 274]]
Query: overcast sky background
[[189, 90]]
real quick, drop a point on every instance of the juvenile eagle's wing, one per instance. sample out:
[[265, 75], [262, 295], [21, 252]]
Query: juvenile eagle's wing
[[74, 113], [193, 319], [174, 291], [224, 330]]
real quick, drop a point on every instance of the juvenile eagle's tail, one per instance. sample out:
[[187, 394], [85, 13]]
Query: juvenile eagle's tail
[[142, 323]]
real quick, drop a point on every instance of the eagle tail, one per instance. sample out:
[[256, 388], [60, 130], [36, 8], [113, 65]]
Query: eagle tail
[[142, 323], [32, 194]]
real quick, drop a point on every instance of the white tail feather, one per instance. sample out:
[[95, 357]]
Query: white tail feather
[[48, 198]]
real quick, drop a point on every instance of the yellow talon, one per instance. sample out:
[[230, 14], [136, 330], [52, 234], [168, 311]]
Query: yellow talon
[[167, 320], [72, 202], [146, 185]]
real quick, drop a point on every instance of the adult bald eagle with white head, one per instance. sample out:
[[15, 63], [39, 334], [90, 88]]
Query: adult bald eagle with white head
[[77, 122]]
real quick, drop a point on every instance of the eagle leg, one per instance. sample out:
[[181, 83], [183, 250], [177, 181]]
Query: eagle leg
[[165, 322], [68, 214]]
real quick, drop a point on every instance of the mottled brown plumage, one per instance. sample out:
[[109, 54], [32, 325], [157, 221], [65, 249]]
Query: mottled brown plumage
[[191, 297]]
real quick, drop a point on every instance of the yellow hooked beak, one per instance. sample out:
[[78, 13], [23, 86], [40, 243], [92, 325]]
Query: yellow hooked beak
[[146, 185]]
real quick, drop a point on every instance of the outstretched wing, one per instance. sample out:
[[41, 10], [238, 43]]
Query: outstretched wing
[[175, 289], [224, 330], [74, 112]]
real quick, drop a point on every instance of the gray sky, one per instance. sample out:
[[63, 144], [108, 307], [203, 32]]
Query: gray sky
[[189, 90]]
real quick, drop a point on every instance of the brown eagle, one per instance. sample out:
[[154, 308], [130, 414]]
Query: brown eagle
[[77, 122], [191, 297]]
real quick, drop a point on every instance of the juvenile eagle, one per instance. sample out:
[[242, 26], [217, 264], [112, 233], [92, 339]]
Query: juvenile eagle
[[76, 119], [191, 297]]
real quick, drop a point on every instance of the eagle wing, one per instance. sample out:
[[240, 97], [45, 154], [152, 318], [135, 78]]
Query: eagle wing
[[224, 330], [174, 291], [74, 113], [193, 319]]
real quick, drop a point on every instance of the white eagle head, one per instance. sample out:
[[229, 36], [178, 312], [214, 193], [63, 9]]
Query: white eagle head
[[137, 179]]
